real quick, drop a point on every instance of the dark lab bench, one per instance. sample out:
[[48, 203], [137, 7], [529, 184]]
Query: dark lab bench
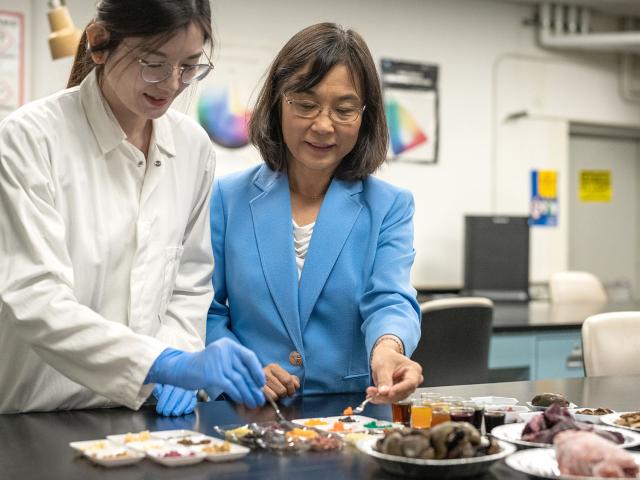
[[34, 446]]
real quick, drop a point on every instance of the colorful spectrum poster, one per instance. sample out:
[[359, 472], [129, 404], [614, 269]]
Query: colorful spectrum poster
[[11, 62], [411, 105], [544, 198], [226, 97], [595, 186]]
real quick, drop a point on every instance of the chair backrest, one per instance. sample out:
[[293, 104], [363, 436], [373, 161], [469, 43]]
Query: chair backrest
[[568, 287], [610, 344], [454, 345]]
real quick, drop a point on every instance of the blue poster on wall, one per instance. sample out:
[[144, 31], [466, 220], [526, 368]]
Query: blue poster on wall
[[543, 209]]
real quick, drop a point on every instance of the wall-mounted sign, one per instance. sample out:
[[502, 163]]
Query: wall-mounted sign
[[11, 61], [595, 186], [411, 105], [544, 198]]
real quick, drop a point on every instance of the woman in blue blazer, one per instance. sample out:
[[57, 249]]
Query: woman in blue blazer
[[312, 253]]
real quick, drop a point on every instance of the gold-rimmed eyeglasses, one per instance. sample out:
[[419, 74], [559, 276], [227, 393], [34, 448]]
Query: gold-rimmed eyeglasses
[[342, 114], [156, 72]]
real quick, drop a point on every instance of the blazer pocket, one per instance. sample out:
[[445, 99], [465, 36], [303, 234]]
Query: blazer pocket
[[172, 257], [356, 376]]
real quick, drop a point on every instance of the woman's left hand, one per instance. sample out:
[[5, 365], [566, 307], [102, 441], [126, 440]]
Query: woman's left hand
[[174, 401], [395, 376]]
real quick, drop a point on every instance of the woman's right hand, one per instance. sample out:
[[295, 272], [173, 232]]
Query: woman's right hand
[[280, 383]]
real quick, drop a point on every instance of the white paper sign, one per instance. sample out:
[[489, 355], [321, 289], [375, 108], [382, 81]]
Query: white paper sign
[[11, 61]]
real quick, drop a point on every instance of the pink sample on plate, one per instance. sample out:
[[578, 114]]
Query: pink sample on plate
[[587, 454]]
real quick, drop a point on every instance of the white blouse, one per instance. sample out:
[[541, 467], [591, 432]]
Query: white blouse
[[301, 240]]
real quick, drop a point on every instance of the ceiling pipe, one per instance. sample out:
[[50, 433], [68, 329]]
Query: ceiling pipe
[[550, 34]]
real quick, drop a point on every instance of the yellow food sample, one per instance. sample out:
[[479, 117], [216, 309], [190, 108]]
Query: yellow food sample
[[314, 422], [238, 432], [301, 433], [224, 447], [137, 437], [353, 438]]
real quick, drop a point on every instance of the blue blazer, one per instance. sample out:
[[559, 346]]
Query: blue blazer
[[355, 284]]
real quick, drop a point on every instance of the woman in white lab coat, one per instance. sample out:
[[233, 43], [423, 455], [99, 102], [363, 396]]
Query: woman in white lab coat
[[105, 257]]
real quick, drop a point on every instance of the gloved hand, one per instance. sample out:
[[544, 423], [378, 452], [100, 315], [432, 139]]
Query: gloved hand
[[174, 401], [223, 364]]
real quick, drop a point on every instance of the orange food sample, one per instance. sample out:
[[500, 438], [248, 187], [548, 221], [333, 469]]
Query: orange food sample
[[314, 422], [300, 433], [347, 411], [339, 427]]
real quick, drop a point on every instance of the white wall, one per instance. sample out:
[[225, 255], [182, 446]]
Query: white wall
[[490, 67]]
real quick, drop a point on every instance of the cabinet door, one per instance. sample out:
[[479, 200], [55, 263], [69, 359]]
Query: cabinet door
[[559, 356], [512, 351]]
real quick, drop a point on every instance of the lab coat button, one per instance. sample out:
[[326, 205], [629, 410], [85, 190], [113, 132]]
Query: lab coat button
[[141, 164], [157, 163], [295, 359]]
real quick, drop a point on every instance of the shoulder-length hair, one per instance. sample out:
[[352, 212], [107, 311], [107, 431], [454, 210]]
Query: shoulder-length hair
[[319, 48]]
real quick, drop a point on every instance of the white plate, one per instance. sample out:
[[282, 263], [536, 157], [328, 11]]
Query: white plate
[[541, 462], [235, 452], [188, 456], [513, 433], [415, 467], [581, 417], [148, 445], [542, 409], [494, 400], [526, 416], [354, 427], [92, 445], [195, 439], [125, 438], [173, 434], [102, 457], [611, 420]]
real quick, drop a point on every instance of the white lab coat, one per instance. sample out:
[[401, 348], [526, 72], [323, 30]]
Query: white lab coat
[[104, 260]]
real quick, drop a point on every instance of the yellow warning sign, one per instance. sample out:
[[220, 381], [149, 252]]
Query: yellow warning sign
[[595, 185], [547, 181]]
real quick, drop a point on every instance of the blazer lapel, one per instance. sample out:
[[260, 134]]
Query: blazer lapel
[[337, 216], [271, 214]]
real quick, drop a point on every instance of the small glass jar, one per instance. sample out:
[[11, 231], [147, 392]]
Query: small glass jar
[[421, 414], [478, 412], [461, 414], [401, 411], [493, 419]]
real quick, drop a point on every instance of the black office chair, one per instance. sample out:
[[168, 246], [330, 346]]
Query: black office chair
[[454, 346]]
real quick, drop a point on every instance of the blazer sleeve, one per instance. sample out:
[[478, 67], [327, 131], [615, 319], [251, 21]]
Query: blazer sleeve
[[218, 319], [389, 304]]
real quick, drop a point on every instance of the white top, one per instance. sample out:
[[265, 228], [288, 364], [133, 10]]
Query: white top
[[301, 239], [104, 260]]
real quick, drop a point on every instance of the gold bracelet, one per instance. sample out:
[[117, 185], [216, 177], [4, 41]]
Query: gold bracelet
[[391, 337]]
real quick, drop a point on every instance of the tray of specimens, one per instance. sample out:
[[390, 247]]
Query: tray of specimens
[[170, 448]]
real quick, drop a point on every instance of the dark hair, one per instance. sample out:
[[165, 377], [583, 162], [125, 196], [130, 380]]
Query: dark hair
[[156, 20], [321, 47]]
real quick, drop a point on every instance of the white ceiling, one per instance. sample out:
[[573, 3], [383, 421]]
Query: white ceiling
[[611, 7]]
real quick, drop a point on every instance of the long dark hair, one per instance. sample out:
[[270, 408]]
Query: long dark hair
[[319, 48], [156, 20]]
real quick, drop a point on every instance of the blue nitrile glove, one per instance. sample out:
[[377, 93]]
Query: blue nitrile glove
[[174, 401], [223, 364]]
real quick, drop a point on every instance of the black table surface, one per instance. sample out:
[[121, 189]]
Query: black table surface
[[541, 315], [35, 445]]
